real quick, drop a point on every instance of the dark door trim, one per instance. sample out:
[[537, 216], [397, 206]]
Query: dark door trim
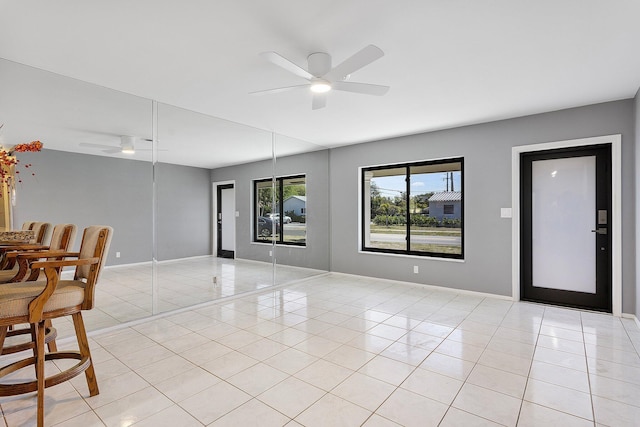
[[222, 253], [601, 299], [616, 215]]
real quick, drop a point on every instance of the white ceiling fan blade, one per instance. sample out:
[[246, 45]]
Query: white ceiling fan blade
[[352, 64], [101, 146], [364, 88], [318, 101], [286, 64], [278, 90]]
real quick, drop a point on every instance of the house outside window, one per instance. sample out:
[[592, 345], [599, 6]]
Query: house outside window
[[271, 198], [295, 205], [446, 204], [414, 208]]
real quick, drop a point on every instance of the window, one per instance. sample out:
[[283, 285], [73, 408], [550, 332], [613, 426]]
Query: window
[[271, 198], [414, 208]]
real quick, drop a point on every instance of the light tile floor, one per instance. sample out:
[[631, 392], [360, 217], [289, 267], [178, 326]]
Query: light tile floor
[[349, 351], [126, 293]]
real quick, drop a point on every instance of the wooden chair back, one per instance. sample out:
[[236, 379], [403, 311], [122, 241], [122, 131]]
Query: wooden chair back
[[96, 240], [63, 237], [40, 230], [28, 225]]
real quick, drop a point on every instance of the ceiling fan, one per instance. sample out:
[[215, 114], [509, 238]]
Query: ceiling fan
[[322, 78], [127, 145]]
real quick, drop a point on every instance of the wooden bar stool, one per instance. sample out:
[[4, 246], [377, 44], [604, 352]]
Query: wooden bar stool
[[36, 302], [62, 239]]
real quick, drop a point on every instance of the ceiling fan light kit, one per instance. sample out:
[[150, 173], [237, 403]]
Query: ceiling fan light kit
[[127, 144], [322, 78], [320, 86]]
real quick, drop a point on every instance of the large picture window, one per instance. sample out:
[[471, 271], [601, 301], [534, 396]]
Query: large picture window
[[280, 208], [414, 208]]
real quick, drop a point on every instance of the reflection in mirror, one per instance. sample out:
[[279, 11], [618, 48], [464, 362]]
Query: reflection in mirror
[[83, 177], [301, 209], [262, 234], [202, 220], [180, 192]]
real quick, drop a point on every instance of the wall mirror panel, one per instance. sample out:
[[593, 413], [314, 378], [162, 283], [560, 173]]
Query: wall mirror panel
[[262, 238], [176, 185], [82, 177], [301, 208], [203, 222]]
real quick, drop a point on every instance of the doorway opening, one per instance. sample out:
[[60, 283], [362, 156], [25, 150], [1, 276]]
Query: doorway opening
[[535, 267], [225, 220], [565, 204]]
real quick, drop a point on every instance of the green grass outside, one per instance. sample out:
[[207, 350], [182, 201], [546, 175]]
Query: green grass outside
[[422, 247], [420, 231], [287, 239]]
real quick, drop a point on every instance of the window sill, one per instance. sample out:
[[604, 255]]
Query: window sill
[[282, 245], [410, 256]]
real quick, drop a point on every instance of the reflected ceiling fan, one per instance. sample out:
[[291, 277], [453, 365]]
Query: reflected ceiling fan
[[322, 78], [127, 145]]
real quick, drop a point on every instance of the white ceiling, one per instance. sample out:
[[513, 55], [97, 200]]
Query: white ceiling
[[449, 63]]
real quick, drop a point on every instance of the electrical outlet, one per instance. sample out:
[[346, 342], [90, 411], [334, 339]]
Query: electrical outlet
[[270, 253], [117, 254], [416, 270]]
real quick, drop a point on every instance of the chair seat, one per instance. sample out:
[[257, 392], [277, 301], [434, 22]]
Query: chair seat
[[15, 297], [6, 275]]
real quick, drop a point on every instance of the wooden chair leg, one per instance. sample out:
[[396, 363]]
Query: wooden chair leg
[[34, 339], [39, 332], [3, 335], [53, 347], [83, 344]]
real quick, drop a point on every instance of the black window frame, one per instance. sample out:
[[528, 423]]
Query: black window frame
[[407, 167], [280, 189]]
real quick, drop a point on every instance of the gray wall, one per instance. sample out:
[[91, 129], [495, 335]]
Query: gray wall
[[487, 155], [315, 166], [184, 211], [636, 110], [85, 190], [91, 190]]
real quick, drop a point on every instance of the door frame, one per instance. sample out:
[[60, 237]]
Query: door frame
[[214, 215], [615, 141]]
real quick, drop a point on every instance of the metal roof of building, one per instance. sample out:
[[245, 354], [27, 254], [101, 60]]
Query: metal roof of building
[[446, 196]]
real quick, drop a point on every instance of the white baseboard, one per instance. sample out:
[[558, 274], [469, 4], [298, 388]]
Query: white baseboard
[[435, 287], [632, 316]]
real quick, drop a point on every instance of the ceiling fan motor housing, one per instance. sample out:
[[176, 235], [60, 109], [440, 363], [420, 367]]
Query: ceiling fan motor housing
[[127, 143], [319, 63]]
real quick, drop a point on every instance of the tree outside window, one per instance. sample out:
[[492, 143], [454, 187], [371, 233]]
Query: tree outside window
[[272, 197]]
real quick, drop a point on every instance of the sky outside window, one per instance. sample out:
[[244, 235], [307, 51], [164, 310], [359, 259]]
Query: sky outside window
[[391, 186]]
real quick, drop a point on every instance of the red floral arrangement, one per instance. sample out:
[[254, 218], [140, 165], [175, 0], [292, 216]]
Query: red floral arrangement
[[7, 159], [32, 146]]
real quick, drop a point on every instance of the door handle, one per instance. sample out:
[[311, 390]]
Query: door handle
[[600, 230]]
